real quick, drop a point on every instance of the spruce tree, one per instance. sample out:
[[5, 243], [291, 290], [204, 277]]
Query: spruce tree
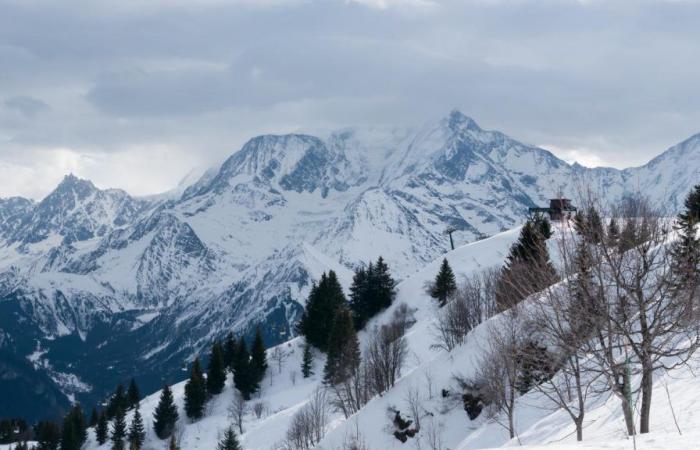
[[102, 428], [307, 362], [230, 349], [685, 252], [229, 441], [118, 401], [133, 395], [373, 290], [48, 435], [74, 432], [359, 295], [195, 392], [385, 286], [613, 232], [343, 350], [544, 228], [216, 373], [118, 430], [444, 285], [595, 226], [324, 300], [94, 417], [165, 415], [137, 433], [528, 268], [589, 225], [241, 369], [258, 361]]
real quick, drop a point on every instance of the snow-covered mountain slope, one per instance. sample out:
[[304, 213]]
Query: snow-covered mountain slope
[[105, 283], [429, 374]]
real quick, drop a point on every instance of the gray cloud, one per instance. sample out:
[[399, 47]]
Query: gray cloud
[[27, 106], [611, 82]]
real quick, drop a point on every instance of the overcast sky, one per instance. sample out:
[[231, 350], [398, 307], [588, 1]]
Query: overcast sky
[[137, 93]]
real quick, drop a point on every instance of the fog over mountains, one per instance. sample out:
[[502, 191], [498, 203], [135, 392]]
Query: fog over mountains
[[97, 285]]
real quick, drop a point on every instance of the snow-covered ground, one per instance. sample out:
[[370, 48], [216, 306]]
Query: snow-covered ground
[[426, 374]]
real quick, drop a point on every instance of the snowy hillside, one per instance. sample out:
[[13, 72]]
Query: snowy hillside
[[444, 422], [98, 282]]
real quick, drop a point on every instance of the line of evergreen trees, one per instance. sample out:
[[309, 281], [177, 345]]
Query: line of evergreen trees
[[71, 434], [330, 321], [248, 365]]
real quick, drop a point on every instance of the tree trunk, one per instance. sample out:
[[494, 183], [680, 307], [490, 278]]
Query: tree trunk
[[511, 425], [511, 411], [579, 429], [629, 417], [647, 385]]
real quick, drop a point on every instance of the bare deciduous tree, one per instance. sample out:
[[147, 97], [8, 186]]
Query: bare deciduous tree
[[403, 318], [500, 366], [308, 425], [385, 354], [258, 409], [472, 303], [643, 322], [559, 320], [237, 410], [279, 355], [351, 394], [434, 435], [415, 405]]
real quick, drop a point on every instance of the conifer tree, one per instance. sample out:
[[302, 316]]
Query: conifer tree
[[444, 285], [165, 415], [542, 225], [385, 286], [325, 298], [74, 430], [373, 290], [133, 395], [118, 401], [359, 295], [229, 441], [137, 433], [589, 225], [118, 430], [230, 349], [241, 369], [528, 268], [613, 232], [343, 349], [307, 362], [195, 392], [685, 263], [94, 417], [216, 374], [258, 361], [102, 428], [48, 435]]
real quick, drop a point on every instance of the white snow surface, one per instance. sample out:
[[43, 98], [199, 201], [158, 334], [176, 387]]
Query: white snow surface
[[428, 371]]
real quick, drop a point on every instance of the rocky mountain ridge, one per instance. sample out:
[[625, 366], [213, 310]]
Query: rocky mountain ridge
[[97, 286]]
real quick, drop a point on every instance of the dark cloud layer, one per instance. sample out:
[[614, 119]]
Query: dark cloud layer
[[611, 82]]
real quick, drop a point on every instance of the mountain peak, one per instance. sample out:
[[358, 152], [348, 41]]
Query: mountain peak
[[458, 121], [72, 182]]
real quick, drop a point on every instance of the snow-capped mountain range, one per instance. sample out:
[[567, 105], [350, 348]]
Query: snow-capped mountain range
[[97, 286]]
